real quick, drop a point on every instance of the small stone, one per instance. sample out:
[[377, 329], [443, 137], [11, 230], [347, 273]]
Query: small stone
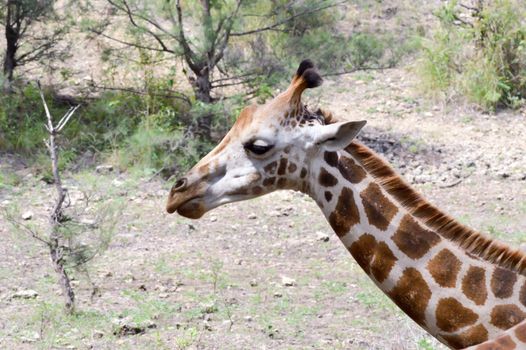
[[98, 334], [277, 294], [28, 215], [323, 237], [253, 283], [163, 295], [252, 216], [213, 219], [31, 338], [248, 318], [287, 281], [88, 222], [104, 169], [125, 326], [25, 294]]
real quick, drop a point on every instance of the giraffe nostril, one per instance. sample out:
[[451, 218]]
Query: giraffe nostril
[[179, 186]]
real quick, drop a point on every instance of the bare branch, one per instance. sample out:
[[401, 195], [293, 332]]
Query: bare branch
[[154, 35], [26, 228], [66, 118], [188, 53], [358, 69], [49, 127], [232, 78], [173, 94], [282, 22], [127, 43], [234, 83]]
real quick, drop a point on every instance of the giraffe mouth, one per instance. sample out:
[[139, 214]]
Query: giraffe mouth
[[192, 208]]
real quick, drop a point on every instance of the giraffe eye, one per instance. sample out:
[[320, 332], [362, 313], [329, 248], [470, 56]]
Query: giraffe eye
[[258, 147]]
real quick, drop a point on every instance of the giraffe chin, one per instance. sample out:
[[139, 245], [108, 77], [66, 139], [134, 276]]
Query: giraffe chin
[[191, 209]]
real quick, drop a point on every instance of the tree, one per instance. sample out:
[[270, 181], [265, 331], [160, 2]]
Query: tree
[[77, 230], [23, 44], [199, 33]]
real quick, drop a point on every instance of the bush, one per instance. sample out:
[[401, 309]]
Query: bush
[[480, 54], [136, 124]]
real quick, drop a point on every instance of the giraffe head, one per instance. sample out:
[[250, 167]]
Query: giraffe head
[[271, 146]]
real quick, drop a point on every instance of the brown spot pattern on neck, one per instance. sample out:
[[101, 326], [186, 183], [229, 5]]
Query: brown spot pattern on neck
[[471, 241]]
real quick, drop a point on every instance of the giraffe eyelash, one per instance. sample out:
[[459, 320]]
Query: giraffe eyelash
[[259, 150]]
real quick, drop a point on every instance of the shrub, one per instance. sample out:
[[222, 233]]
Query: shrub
[[479, 53]]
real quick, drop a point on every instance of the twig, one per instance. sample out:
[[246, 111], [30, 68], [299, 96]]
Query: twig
[[451, 184], [282, 22], [177, 95], [358, 69], [26, 228]]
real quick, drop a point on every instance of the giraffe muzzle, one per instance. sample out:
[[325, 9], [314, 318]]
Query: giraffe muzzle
[[186, 198]]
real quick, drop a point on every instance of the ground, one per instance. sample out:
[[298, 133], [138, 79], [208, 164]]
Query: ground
[[260, 274]]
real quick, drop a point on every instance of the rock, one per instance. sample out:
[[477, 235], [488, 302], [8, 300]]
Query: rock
[[88, 222], [213, 219], [252, 216], [163, 295], [277, 294], [30, 338], [209, 308], [274, 213], [253, 283], [104, 169], [97, 334], [287, 281], [320, 236], [27, 215], [126, 326], [25, 294], [248, 318], [503, 174]]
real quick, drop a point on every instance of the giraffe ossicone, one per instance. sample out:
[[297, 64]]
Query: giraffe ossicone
[[464, 288]]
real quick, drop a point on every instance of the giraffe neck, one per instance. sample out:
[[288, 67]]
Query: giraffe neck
[[460, 298]]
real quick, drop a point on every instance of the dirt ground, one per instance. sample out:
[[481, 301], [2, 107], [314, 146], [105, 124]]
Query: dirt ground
[[257, 275]]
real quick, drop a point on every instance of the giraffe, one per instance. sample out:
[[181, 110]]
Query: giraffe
[[464, 288]]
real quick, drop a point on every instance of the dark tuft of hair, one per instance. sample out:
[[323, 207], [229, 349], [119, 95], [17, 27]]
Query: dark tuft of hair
[[312, 78], [304, 65]]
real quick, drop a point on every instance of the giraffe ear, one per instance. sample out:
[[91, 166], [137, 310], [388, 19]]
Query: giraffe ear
[[338, 135]]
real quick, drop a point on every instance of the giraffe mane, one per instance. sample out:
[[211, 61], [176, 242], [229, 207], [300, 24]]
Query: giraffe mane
[[473, 242]]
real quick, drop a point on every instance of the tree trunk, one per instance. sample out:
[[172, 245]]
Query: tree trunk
[[202, 90], [12, 37], [56, 218], [63, 278]]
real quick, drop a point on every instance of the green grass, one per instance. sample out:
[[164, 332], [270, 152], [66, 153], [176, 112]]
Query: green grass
[[9, 179]]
